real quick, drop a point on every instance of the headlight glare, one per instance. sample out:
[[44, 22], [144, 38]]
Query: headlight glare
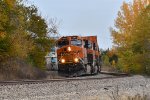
[[76, 60], [62, 60]]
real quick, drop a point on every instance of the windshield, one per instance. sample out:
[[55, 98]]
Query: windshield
[[63, 43], [76, 42]]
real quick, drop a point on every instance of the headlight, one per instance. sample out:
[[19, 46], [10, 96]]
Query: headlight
[[76, 60], [69, 48], [62, 60]]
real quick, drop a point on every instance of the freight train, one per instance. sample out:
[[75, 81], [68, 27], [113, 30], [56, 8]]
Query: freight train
[[78, 55]]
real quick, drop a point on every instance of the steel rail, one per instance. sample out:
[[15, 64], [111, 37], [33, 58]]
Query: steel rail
[[2, 83], [22, 82], [114, 73]]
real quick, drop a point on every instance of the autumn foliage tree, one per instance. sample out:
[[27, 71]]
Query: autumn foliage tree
[[13, 37], [23, 35], [130, 35], [141, 40]]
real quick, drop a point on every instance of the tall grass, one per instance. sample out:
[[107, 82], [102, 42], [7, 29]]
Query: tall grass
[[15, 69]]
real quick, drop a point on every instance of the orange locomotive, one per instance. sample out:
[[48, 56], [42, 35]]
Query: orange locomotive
[[78, 55]]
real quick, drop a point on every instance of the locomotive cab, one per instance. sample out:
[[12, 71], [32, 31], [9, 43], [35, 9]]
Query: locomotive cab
[[70, 54]]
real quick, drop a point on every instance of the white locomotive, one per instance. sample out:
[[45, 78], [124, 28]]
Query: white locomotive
[[51, 59]]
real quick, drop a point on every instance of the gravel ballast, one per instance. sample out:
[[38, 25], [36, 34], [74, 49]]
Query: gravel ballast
[[104, 89]]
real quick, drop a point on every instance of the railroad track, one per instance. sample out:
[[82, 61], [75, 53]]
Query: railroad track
[[22, 82]]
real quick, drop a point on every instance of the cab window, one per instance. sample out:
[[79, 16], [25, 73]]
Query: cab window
[[76, 42], [88, 44], [62, 43]]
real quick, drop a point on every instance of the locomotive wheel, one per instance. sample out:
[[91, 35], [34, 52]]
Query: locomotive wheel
[[88, 69], [96, 69], [92, 69], [85, 69], [99, 68]]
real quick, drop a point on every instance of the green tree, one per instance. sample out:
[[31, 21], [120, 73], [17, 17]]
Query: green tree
[[38, 32]]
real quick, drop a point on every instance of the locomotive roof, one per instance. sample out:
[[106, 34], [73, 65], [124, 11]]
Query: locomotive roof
[[91, 38]]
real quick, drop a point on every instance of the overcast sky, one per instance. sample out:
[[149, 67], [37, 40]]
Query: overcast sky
[[82, 17]]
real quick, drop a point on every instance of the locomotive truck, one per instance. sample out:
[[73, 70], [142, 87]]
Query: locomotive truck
[[78, 55]]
